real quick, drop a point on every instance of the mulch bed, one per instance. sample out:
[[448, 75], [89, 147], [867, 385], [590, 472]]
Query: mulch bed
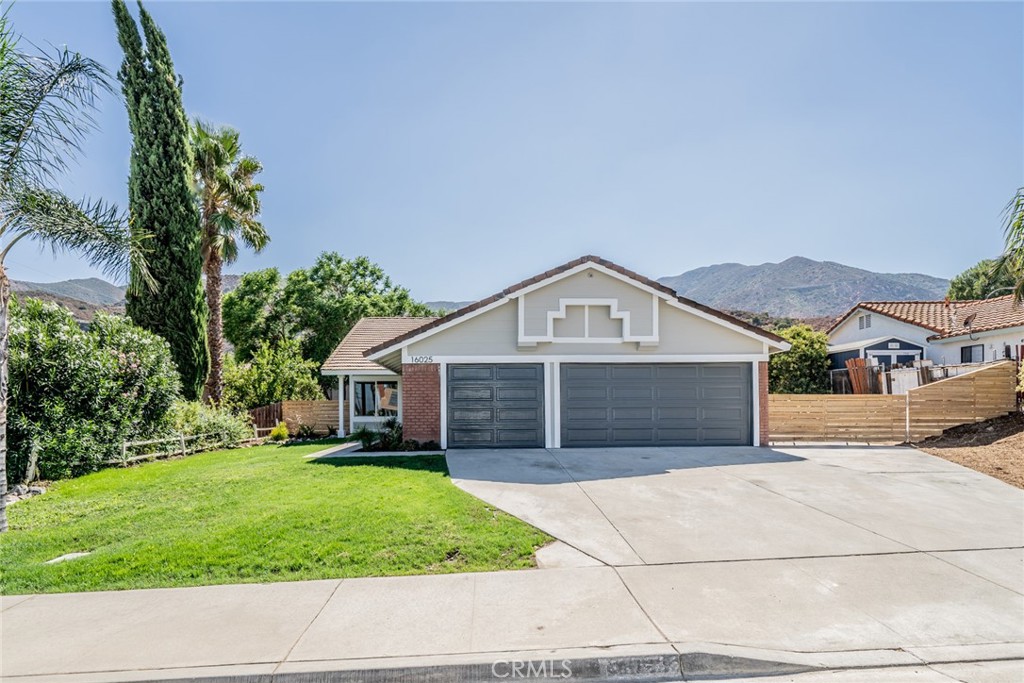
[[994, 447]]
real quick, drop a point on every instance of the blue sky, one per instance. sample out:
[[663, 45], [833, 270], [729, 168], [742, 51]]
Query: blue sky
[[465, 146]]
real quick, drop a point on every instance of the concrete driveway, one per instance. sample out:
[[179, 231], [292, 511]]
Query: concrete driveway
[[796, 549]]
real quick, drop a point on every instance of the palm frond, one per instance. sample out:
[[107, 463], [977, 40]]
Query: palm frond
[[95, 229], [1012, 260], [46, 109]]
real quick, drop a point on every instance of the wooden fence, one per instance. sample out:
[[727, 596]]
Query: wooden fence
[[924, 411], [322, 416]]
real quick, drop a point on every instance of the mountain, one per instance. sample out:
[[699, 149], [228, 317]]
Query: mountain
[[800, 287], [90, 290]]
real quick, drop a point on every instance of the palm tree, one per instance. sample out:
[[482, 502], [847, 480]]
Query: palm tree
[[229, 203], [1012, 260], [46, 102]]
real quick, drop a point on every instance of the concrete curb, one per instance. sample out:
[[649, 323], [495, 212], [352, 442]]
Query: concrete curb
[[654, 667]]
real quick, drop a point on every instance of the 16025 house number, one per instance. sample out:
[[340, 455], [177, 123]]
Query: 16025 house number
[[421, 359]]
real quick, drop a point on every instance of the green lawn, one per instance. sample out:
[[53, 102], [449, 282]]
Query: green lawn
[[255, 515]]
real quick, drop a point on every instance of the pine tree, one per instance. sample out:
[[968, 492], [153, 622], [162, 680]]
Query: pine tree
[[160, 199]]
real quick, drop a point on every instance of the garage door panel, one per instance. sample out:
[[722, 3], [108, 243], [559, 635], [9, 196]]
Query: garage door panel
[[677, 404], [581, 393], [668, 413], [714, 371], [471, 393], [496, 405], [712, 413], [518, 393], [518, 415], [678, 393], [643, 373], [677, 371], [722, 393], [645, 413], [472, 415], [628, 393], [462, 373], [524, 373]]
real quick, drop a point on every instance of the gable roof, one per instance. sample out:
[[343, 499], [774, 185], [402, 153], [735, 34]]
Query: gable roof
[[348, 356], [945, 319], [547, 275]]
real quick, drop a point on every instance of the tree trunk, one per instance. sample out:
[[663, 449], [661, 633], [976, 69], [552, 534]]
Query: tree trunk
[[214, 389], [5, 300]]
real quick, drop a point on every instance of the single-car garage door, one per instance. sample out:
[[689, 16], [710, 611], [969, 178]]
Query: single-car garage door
[[496, 406], [634, 404]]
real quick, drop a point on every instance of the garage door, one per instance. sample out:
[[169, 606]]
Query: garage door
[[496, 406], [658, 404]]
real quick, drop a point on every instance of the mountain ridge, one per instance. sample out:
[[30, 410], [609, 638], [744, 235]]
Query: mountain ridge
[[797, 287]]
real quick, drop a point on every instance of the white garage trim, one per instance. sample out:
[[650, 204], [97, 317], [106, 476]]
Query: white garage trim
[[755, 399], [443, 369], [607, 358]]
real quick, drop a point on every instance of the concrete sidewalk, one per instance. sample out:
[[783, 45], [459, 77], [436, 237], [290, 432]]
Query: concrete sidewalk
[[644, 622]]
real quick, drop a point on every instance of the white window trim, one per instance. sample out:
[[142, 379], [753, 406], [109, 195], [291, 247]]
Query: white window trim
[[356, 421]]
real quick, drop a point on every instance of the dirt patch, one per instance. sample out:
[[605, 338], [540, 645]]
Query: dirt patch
[[994, 447]]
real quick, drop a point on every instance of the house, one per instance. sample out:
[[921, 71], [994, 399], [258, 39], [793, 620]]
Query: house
[[586, 354], [944, 332]]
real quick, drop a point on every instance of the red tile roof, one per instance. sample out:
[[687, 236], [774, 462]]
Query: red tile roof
[[946, 319], [557, 271], [348, 356]]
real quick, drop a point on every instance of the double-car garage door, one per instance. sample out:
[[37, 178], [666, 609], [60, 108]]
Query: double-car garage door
[[607, 404]]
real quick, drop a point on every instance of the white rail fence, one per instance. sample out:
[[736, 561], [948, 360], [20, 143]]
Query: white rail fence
[[179, 445]]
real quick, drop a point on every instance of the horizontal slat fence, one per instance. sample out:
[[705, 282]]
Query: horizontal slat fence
[[924, 411], [977, 396], [840, 417], [322, 416]]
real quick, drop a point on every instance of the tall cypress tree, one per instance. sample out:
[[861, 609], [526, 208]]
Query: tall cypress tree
[[160, 198]]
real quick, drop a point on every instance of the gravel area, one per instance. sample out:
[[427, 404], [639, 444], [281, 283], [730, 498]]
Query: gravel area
[[994, 447]]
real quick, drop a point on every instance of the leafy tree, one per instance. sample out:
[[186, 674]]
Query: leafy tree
[[983, 280], [1011, 263], [804, 368], [45, 114], [76, 395], [317, 306], [229, 201], [160, 197], [275, 373], [254, 312]]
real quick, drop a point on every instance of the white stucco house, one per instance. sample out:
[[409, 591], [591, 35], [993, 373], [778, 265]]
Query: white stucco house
[[585, 354], [944, 332]]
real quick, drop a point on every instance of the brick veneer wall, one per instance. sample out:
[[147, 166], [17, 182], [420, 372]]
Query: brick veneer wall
[[421, 401], [762, 401]]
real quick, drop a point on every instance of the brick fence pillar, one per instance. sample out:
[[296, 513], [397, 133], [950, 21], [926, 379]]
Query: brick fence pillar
[[421, 401], [762, 401]]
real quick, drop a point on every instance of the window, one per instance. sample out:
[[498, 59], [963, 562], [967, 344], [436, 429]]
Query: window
[[375, 399], [864, 322], [972, 354]]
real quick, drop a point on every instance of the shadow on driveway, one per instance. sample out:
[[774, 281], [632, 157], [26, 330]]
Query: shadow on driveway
[[564, 465]]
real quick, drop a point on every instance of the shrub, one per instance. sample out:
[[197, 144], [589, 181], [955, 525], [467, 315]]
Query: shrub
[[275, 373], [366, 437], [76, 395], [305, 431], [804, 368], [280, 432], [222, 425]]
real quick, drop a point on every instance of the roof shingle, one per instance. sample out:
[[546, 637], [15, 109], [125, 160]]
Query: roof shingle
[[946, 319], [348, 356]]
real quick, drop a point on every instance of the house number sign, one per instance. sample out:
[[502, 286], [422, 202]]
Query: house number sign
[[421, 359]]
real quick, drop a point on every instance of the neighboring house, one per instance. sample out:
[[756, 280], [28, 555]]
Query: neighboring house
[[586, 354], [946, 333]]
